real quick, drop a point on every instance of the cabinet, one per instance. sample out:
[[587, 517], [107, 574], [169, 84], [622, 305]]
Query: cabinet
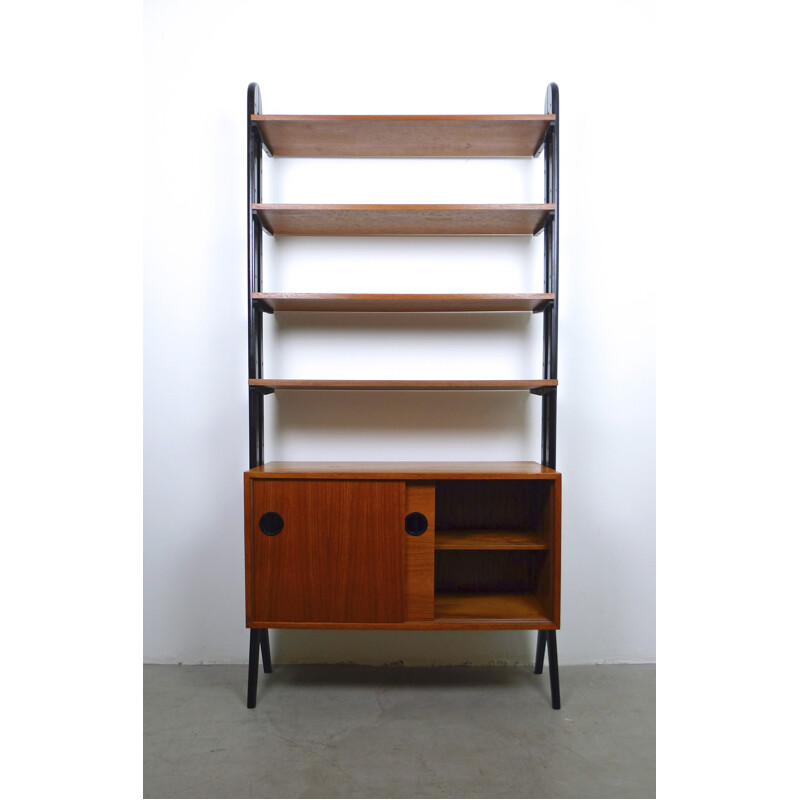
[[403, 545]]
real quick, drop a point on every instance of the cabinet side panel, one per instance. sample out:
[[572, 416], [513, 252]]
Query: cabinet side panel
[[339, 556], [549, 582], [557, 551], [248, 548], [419, 551]]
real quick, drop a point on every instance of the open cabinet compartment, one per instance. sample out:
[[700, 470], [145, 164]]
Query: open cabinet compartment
[[496, 549]]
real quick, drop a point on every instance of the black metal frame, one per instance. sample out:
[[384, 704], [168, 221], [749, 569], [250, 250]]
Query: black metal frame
[[550, 315], [255, 146], [258, 637], [550, 353], [255, 321], [255, 318], [547, 639]]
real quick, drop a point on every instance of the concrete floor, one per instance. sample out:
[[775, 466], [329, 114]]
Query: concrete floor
[[349, 731]]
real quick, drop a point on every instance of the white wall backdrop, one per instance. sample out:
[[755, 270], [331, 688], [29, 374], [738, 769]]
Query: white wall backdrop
[[423, 58]]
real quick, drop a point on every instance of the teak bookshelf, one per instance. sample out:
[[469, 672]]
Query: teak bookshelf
[[402, 545]]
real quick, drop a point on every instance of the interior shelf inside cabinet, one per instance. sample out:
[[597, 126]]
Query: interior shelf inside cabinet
[[403, 220], [282, 301], [489, 606], [387, 136], [493, 548], [490, 540], [474, 575], [494, 509]]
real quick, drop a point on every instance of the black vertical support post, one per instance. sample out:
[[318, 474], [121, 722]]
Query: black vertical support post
[[265, 654], [254, 345], [541, 641], [252, 672], [552, 664], [550, 339], [254, 244], [550, 355]]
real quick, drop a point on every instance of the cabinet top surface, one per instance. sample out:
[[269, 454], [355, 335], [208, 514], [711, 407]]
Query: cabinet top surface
[[405, 470]]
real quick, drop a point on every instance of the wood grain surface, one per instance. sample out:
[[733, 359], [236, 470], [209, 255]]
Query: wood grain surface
[[364, 572], [404, 470], [490, 540], [549, 586], [403, 220], [339, 557], [538, 620], [283, 301], [417, 385], [390, 136], [419, 553], [488, 606]]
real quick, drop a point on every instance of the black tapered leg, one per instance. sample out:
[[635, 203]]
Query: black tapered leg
[[265, 656], [541, 641], [252, 674], [552, 668]]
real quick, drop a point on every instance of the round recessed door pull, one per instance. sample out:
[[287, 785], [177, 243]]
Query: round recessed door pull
[[416, 523], [271, 523]]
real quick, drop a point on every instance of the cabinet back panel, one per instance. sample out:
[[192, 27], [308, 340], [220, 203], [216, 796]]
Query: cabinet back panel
[[487, 505], [487, 570]]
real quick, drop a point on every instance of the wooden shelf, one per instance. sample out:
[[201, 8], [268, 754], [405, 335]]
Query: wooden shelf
[[412, 136], [403, 220], [535, 386], [281, 301], [403, 470], [489, 540], [451, 606]]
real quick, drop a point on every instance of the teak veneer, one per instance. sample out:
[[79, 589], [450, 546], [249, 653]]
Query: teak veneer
[[451, 606], [406, 136], [403, 220], [490, 540], [369, 570], [283, 301], [535, 386], [405, 470]]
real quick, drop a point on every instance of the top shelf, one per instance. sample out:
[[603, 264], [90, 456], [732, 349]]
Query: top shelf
[[462, 136]]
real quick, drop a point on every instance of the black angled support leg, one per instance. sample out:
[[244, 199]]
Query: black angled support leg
[[265, 656], [552, 665], [541, 641], [252, 673]]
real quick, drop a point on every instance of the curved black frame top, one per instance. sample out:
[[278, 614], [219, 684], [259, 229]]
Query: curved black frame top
[[255, 146]]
